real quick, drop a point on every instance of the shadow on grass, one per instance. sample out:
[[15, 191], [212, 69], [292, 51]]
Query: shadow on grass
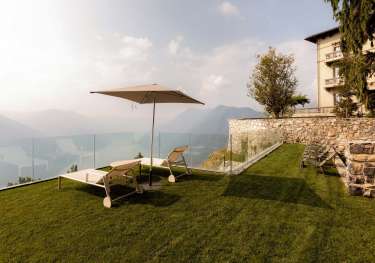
[[196, 177], [155, 198], [283, 189], [159, 173]]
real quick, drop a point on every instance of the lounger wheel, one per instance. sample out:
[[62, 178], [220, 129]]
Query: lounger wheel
[[171, 178], [107, 202]]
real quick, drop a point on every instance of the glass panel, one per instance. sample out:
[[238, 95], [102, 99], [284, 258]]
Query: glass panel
[[58, 155], [16, 162], [208, 151], [246, 146], [120, 146]]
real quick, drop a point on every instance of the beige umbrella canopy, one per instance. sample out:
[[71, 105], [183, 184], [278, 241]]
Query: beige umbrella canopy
[[150, 94]]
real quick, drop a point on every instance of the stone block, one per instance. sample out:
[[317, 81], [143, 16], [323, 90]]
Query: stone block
[[360, 179], [359, 157], [369, 171], [370, 180], [356, 189], [355, 168], [361, 148]]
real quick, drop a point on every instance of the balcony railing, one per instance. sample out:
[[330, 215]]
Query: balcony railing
[[320, 110], [334, 82], [335, 55]]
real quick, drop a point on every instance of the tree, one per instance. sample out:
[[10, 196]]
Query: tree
[[357, 26], [273, 83], [299, 100], [345, 107]]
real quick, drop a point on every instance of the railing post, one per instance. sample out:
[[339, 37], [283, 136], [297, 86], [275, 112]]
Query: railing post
[[32, 159], [94, 149], [231, 154], [190, 150], [159, 139]]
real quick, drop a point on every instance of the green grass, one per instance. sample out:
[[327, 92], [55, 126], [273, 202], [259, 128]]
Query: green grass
[[272, 212]]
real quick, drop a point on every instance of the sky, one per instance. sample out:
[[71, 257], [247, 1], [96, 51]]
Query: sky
[[53, 52]]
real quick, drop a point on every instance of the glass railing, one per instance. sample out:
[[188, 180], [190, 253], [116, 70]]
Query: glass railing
[[29, 160], [245, 147]]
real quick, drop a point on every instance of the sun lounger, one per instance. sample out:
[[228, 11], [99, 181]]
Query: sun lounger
[[175, 158], [118, 175]]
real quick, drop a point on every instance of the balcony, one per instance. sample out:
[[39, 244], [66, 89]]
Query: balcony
[[334, 82], [333, 56], [314, 112]]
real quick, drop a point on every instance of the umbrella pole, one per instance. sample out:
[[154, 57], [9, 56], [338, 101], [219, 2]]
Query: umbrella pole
[[152, 145]]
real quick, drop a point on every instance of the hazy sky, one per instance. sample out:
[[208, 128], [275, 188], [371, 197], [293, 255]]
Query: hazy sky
[[52, 53]]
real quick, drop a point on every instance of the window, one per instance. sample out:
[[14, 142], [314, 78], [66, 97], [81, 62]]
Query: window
[[337, 48], [336, 98], [336, 72]]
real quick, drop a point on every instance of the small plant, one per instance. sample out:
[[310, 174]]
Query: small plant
[[138, 156], [73, 168], [24, 180]]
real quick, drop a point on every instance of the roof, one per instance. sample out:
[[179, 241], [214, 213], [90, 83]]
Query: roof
[[327, 33]]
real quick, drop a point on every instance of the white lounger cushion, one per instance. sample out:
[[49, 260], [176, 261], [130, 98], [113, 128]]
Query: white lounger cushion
[[90, 176], [155, 162]]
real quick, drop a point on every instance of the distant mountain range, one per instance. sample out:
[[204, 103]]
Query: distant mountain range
[[208, 121], [67, 123], [12, 130]]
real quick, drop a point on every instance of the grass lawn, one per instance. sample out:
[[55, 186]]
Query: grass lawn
[[272, 212]]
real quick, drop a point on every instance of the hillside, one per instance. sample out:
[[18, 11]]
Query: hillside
[[65, 123], [12, 130], [208, 121]]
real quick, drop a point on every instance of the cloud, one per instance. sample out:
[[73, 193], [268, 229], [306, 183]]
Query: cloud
[[305, 61], [174, 45], [228, 9], [135, 48], [220, 75], [212, 82]]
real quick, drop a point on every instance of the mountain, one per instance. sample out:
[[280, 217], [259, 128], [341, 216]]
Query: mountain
[[66, 123], [12, 130], [208, 121]]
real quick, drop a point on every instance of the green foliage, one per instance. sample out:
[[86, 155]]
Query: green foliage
[[357, 26], [299, 100], [138, 156], [345, 107], [372, 104], [273, 82], [23, 180], [73, 168]]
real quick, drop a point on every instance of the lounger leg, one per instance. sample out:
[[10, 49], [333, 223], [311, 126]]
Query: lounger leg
[[188, 171], [59, 182], [107, 202], [171, 177], [138, 187]]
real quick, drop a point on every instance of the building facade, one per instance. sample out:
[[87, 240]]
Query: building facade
[[329, 81]]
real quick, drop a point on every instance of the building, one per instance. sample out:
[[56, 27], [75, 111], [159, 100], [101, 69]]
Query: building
[[329, 81]]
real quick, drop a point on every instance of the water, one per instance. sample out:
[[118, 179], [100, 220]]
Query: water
[[42, 158]]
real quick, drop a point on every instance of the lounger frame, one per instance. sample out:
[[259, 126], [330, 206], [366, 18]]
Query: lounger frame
[[121, 176]]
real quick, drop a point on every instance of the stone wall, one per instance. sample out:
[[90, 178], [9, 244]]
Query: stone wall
[[360, 173], [355, 137], [320, 130]]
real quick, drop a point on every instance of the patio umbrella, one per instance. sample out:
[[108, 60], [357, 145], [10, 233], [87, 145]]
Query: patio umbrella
[[150, 94]]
